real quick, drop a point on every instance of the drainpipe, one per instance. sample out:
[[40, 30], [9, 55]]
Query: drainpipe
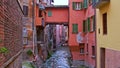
[[95, 39], [33, 24]]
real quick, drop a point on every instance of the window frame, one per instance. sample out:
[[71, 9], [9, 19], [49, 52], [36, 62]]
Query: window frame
[[77, 5]]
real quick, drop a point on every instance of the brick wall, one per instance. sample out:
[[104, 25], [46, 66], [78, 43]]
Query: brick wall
[[112, 59], [10, 27]]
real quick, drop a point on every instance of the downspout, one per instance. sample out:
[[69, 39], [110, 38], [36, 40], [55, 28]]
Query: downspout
[[33, 21], [95, 38]]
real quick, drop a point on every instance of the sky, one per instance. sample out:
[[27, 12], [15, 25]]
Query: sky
[[60, 2]]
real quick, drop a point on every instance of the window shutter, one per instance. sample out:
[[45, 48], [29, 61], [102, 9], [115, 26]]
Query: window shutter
[[88, 21], [86, 26], [73, 4], [80, 5], [49, 13], [75, 28], [83, 26], [85, 3], [93, 23]]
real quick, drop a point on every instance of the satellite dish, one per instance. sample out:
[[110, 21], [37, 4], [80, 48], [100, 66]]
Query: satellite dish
[[79, 37]]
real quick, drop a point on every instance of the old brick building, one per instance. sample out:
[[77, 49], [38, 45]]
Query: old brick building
[[10, 34]]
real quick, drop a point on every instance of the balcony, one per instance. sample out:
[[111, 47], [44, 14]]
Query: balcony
[[100, 3]]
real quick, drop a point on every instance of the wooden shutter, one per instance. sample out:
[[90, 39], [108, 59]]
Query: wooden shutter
[[85, 4], [75, 28], [93, 23], [88, 21], [80, 5], [49, 13], [86, 26], [83, 26], [73, 4]]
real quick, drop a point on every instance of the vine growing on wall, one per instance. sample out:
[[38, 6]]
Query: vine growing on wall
[[3, 50]]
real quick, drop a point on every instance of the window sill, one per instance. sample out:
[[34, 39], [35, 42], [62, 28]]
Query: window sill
[[93, 57], [74, 32], [78, 9], [82, 53]]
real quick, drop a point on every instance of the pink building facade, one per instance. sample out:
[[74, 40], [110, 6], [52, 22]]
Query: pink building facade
[[57, 15], [80, 18], [82, 32]]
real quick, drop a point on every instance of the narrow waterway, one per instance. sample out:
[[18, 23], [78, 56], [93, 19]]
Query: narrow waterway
[[60, 59]]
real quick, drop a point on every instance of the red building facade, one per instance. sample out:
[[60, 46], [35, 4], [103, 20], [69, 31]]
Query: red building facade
[[82, 32]]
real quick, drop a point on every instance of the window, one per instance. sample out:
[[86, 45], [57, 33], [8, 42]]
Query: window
[[75, 28], [25, 10], [49, 13], [87, 48], [89, 25], [93, 50], [105, 23], [77, 5], [81, 48], [40, 13], [92, 23], [85, 3]]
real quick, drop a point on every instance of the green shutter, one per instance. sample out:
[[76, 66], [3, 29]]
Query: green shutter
[[88, 20], [73, 4], [49, 13], [93, 23], [75, 28], [80, 5], [85, 4], [84, 26]]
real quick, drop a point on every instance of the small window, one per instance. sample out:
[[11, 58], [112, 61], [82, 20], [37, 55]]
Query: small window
[[49, 13], [93, 50], [87, 48], [82, 48], [105, 23], [25, 10], [77, 5], [40, 13], [92, 23], [75, 28]]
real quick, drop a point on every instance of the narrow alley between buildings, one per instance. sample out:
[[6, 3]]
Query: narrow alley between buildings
[[40, 34]]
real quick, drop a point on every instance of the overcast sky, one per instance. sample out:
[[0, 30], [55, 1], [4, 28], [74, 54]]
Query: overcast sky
[[60, 2]]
